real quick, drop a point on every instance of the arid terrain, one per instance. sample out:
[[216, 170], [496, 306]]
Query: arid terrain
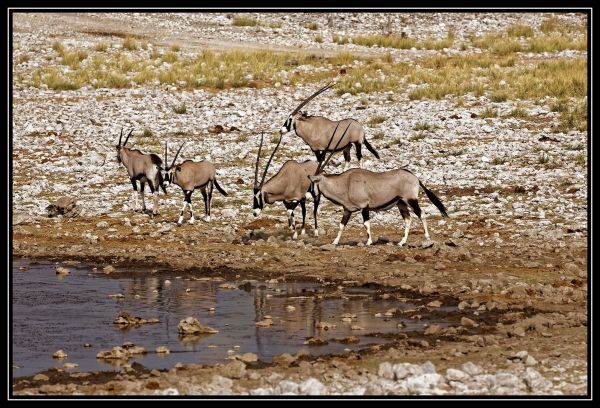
[[489, 110]]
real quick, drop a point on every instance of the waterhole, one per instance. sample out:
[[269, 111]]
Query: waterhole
[[75, 313]]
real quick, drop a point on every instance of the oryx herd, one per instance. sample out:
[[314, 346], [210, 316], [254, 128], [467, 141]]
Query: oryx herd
[[354, 190]]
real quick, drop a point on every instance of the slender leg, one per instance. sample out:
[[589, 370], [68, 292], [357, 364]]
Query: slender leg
[[188, 199], [303, 206], [345, 219], [367, 223], [347, 157], [154, 192], [315, 208], [135, 193], [358, 146], [406, 217], [205, 198], [142, 188], [209, 191], [182, 209], [291, 209], [415, 206], [425, 225], [289, 213]]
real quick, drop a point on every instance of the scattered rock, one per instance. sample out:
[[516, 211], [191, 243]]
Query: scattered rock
[[65, 206], [59, 354], [191, 325], [162, 350], [125, 319], [249, 357], [40, 377], [108, 269], [465, 321], [432, 330], [62, 271], [435, 303], [315, 341], [236, 369], [264, 323]]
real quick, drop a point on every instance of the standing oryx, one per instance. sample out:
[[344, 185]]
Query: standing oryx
[[191, 175], [365, 191], [145, 168], [316, 131], [290, 185]]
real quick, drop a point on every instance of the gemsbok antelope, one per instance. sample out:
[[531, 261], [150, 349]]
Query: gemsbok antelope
[[145, 168], [316, 131], [290, 185], [366, 191], [191, 175]]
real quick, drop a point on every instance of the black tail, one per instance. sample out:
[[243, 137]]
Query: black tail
[[436, 201], [371, 148], [161, 183], [220, 188]]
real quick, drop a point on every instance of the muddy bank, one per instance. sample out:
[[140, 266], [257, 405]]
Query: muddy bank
[[510, 304]]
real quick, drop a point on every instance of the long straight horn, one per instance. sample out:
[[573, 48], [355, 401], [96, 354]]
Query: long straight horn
[[177, 154], [269, 162], [333, 151], [328, 145], [127, 138], [257, 160], [310, 98], [121, 136], [166, 148]]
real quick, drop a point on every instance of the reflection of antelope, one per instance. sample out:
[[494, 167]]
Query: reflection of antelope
[[316, 131], [145, 168], [365, 191], [290, 185], [191, 175]]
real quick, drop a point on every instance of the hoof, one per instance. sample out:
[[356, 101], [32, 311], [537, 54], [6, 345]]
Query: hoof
[[295, 236], [206, 219], [191, 222], [369, 242], [316, 233], [179, 224], [401, 244]]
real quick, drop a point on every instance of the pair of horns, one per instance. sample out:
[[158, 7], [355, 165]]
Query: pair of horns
[[322, 165], [126, 139], [313, 96], [176, 154], [256, 183]]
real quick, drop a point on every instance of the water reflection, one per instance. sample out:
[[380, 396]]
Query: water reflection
[[51, 314]]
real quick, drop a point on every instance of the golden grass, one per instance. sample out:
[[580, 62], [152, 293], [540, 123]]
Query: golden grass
[[243, 21], [339, 39], [129, 44], [180, 109], [394, 41], [519, 30], [387, 41], [311, 26], [101, 47], [376, 120]]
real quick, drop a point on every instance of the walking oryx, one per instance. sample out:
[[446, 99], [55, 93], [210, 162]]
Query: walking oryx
[[365, 191], [316, 131], [145, 168], [290, 185], [191, 175]]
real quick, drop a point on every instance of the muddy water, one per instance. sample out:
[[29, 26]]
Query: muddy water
[[51, 313]]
